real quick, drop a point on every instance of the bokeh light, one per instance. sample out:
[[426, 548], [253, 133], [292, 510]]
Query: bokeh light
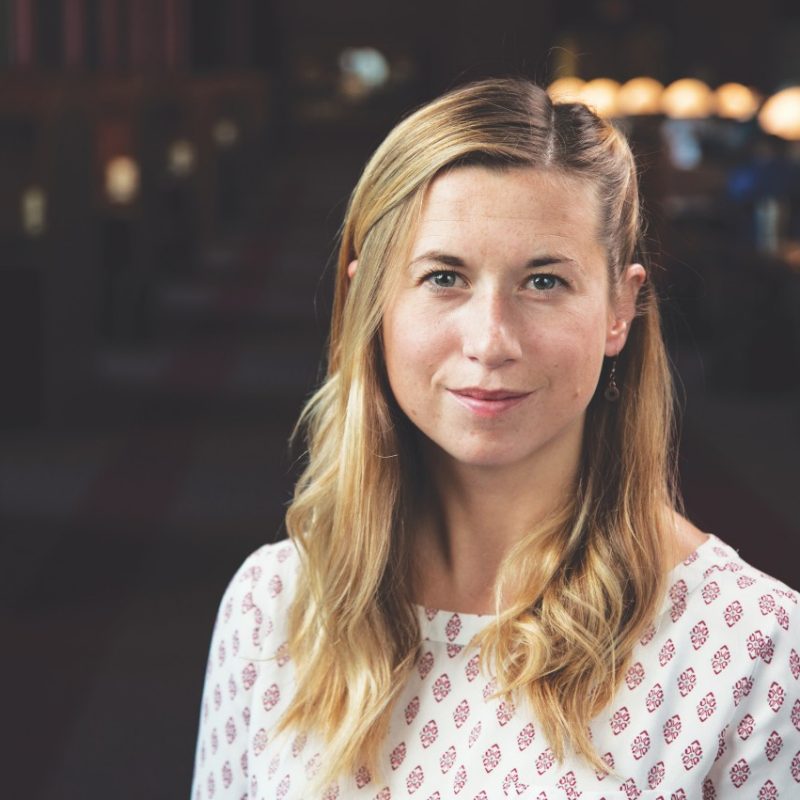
[[225, 133], [640, 96], [687, 98], [601, 94], [736, 101], [363, 70], [122, 180], [34, 211], [566, 90], [181, 158], [780, 115]]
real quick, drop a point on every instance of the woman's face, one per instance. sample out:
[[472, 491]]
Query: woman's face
[[495, 337]]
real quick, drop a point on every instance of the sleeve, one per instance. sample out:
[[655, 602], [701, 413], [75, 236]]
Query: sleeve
[[759, 753], [220, 767]]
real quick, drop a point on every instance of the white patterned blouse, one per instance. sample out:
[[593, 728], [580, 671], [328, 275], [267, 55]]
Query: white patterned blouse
[[709, 708]]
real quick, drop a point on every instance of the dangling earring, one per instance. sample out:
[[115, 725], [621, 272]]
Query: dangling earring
[[612, 390]]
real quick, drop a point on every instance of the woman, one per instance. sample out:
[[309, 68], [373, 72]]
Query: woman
[[488, 590]]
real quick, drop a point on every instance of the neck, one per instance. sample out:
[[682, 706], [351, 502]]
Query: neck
[[470, 519]]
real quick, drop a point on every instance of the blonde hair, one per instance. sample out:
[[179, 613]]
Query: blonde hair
[[588, 581]]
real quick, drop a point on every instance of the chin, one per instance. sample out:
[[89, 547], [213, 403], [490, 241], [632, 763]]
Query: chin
[[487, 457]]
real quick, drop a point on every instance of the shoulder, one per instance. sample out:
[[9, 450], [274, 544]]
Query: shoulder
[[246, 646], [715, 572], [258, 595], [742, 640], [266, 570], [725, 599]]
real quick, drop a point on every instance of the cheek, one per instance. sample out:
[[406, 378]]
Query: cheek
[[414, 344], [401, 354], [574, 352]]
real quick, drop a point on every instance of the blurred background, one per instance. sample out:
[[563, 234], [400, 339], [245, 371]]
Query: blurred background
[[172, 177]]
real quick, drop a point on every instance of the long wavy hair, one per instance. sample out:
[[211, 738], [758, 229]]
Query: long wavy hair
[[589, 579]]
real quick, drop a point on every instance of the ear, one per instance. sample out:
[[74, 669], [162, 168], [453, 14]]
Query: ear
[[623, 309], [351, 268]]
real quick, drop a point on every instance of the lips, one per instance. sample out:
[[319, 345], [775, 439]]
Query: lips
[[488, 402], [486, 394]]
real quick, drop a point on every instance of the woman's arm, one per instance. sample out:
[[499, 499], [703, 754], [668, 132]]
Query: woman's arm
[[759, 755], [221, 758]]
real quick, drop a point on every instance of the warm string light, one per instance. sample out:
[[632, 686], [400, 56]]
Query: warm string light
[[735, 101], [640, 96], [566, 90], [601, 94], [686, 98], [780, 115]]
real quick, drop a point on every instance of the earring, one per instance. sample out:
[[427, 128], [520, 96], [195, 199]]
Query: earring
[[612, 390]]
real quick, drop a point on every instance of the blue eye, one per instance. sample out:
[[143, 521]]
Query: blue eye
[[442, 279], [544, 283]]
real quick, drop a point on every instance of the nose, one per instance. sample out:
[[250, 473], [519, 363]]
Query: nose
[[490, 335]]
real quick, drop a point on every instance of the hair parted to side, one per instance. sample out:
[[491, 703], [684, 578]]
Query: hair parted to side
[[585, 584]]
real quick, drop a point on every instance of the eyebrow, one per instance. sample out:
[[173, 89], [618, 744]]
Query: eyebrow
[[454, 261]]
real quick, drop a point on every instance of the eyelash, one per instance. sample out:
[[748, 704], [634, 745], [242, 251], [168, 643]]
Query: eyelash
[[428, 278]]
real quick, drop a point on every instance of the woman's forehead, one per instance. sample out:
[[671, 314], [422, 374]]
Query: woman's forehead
[[477, 202], [457, 186]]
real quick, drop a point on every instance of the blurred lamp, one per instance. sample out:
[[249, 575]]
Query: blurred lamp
[[122, 180], [181, 158], [565, 90], [640, 96], [735, 101], [687, 98], [364, 69], [780, 115], [601, 95], [225, 133], [34, 211]]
